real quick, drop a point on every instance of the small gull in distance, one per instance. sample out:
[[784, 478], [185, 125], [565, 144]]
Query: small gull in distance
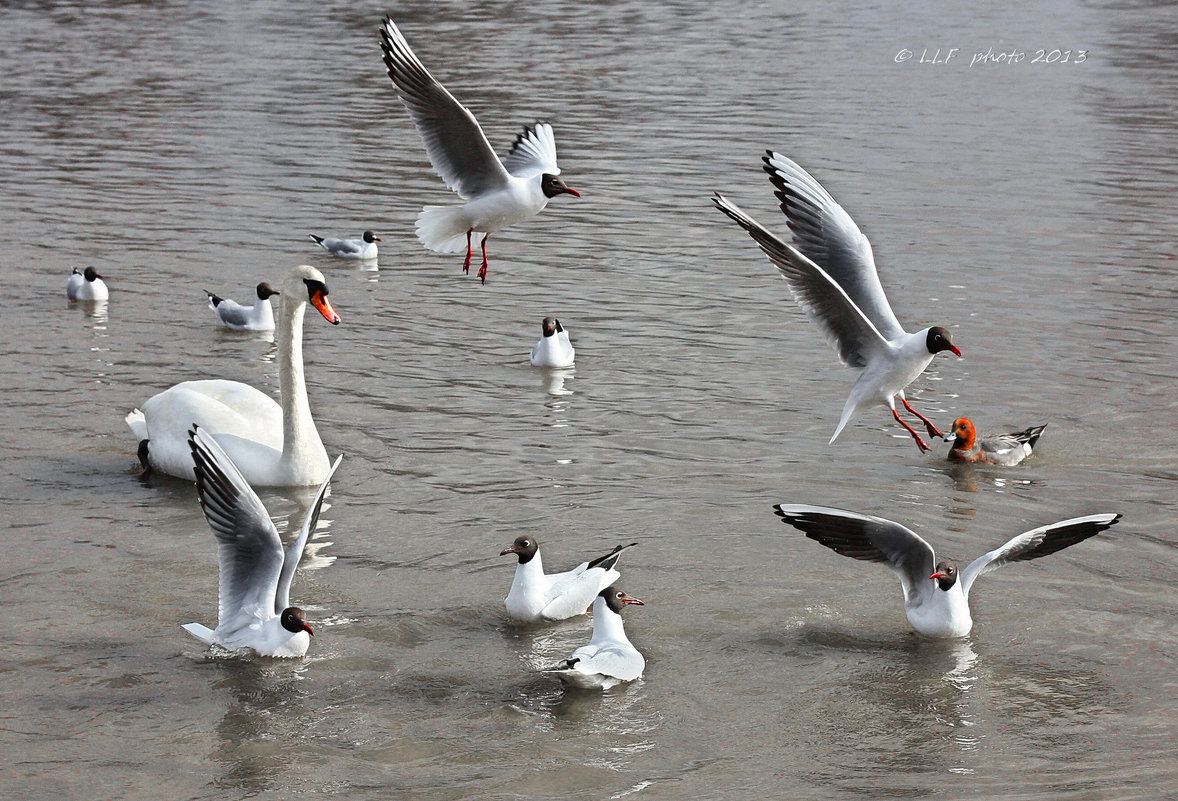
[[259, 317], [86, 285], [554, 348], [363, 248]]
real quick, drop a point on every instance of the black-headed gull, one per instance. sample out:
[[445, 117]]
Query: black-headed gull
[[86, 285], [554, 348], [832, 275], [936, 598], [609, 659], [259, 317], [536, 596], [254, 608], [497, 193], [363, 248], [1000, 449]]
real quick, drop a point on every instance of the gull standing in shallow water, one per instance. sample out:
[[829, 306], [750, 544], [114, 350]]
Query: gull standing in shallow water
[[609, 659], [536, 596], [497, 193], [554, 348], [87, 285], [936, 597], [831, 273], [254, 608], [259, 317], [1000, 449], [363, 248]]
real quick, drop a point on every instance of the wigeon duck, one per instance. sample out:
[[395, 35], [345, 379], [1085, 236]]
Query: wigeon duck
[[1002, 449]]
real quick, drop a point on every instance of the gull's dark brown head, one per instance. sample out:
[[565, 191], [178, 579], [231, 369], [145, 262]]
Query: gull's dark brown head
[[939, 339], [552, 185], [295, 620], [615, 599], [524, 547], [945, 574]]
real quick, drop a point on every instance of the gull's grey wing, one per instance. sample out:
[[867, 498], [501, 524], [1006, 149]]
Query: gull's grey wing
[[826, 234], [454, 142], [294, 551], [249, 548], [853, 336], [612, 659], [233, 313], [1037, 542], [870, 539]]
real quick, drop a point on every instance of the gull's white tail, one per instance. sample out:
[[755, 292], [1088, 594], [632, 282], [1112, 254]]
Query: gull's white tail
[[443, 229]]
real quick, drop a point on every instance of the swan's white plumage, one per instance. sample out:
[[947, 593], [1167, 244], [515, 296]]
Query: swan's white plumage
[[271, 444]]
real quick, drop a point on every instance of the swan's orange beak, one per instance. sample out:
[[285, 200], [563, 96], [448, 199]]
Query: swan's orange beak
[[319, 301]]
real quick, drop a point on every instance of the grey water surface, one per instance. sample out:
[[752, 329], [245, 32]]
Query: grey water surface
[[1026, 203]]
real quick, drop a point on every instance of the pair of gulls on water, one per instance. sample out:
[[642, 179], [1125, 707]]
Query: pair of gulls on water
[[256, 572]]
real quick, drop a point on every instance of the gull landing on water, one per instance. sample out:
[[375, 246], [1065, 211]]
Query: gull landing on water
[[831, 273], [254, 608], [936, 595], [535, 596], [363, 248], [497, 193], [609, 658], [259, 317]]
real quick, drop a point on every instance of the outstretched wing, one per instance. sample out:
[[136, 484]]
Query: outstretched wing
[[1037, 542], [871, 539], [533, 152], [826, 233], [249, 549], [853, 336], [454, 142], [294, 551]]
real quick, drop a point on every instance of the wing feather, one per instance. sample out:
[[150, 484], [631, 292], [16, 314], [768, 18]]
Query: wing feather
[[454, 141], [853, 336], [1037, 542], [827, 234], [870, 539], [249, 549]]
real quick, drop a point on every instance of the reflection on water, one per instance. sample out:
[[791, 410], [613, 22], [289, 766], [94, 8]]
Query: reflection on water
[[553, 380], [264, 722]]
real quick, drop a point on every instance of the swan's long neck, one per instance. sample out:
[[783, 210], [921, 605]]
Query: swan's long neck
[[300, 438]]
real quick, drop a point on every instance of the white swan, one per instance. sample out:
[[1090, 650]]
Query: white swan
[[272, 445]]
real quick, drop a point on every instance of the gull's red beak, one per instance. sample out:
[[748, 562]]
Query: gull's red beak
[[938, 576]]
